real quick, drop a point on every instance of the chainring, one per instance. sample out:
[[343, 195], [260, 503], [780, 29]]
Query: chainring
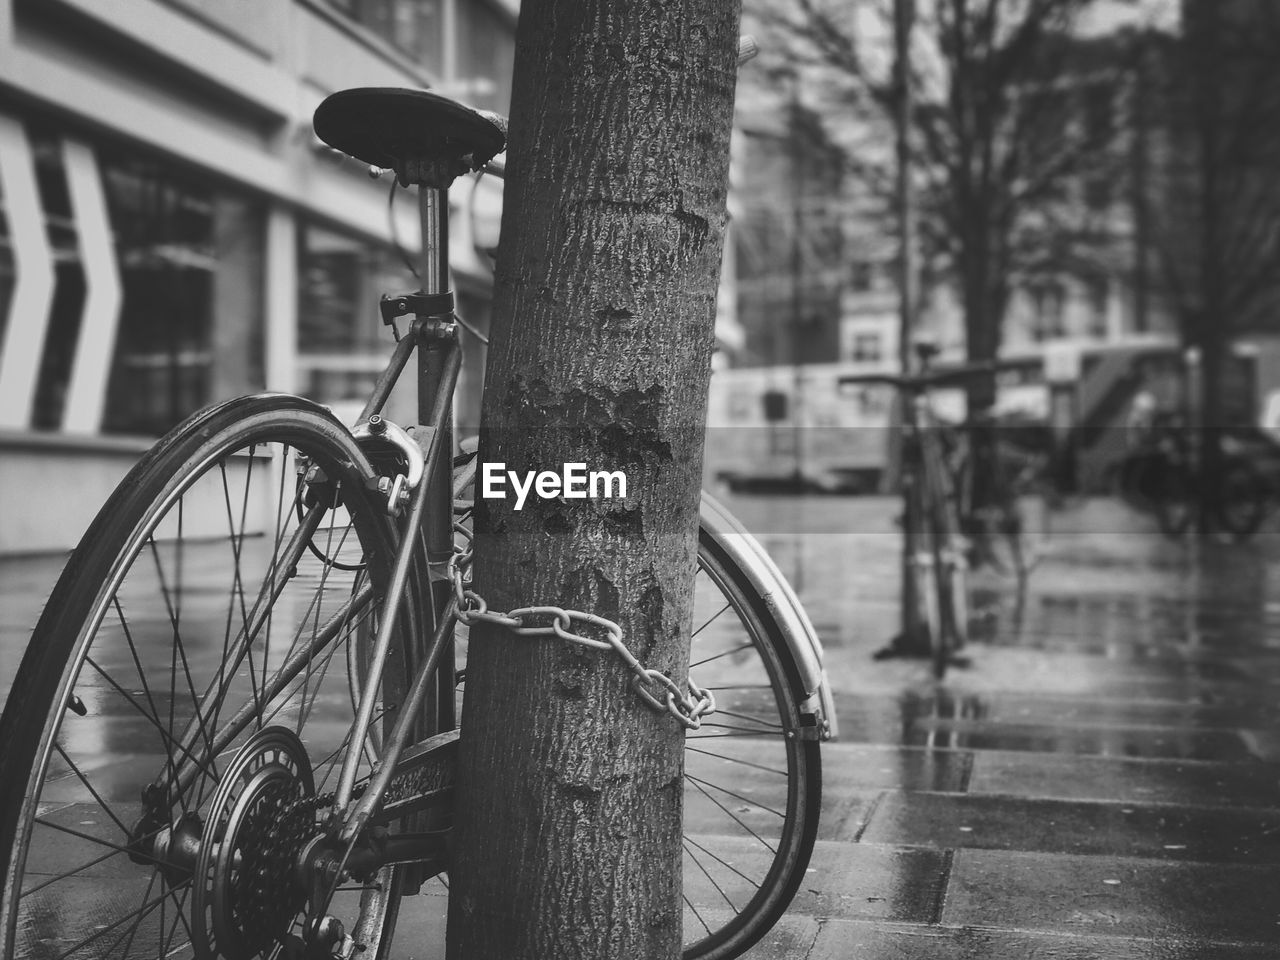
[[245, 893]]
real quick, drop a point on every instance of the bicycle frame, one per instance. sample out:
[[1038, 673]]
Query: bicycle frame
[[430, 517], [428, 521]]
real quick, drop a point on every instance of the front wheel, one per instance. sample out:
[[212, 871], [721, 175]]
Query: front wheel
[[187, 697], [752, 771], [752, 781]]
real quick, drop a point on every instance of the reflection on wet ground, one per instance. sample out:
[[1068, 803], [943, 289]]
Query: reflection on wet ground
[[1101, 782]]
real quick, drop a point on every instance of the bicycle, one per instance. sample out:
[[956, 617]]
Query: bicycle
[[999, 535], [942, 530], [259, 628], [1158, 476]]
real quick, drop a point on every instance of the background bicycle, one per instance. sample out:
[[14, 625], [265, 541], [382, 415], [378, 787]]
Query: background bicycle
[[946, 530], [1158, 475]]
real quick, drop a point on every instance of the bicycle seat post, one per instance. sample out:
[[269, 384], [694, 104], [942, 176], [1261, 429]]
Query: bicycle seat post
[[438, 347], [433, 261]]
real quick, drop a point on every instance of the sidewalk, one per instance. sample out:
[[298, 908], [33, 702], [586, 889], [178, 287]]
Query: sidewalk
[[1102, 782]]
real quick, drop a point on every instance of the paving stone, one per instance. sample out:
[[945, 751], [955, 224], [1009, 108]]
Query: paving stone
[[1012, 707], [1196, 783], [872, 881], [948, 821], [848, 765], [1156, 742], [842, 940], [1114, 896]]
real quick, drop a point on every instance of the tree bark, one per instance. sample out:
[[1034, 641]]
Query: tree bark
[[567, 836]]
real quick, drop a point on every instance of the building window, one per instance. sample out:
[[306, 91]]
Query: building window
[[342, 343], [412, 26], [190, 256], [861, 276], [487, 49], [867, 347], [1049, 300], [1098, 291]]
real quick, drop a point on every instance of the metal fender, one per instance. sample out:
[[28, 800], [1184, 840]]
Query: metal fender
[[745, 550]]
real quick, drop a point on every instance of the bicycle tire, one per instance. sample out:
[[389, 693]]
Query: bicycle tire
[[947, 553], [129, 635], [773, 735], [1175, 500], [941, 637], [1010, 549], [1242, 497]]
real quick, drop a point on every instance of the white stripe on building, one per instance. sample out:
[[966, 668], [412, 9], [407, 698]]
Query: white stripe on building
[[24, 333], [87, 391]]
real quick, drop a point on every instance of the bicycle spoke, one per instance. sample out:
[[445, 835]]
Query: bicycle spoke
[[235, 538], [738, 760], [736, 796], [732, 816], [707, 873], [726, 653], [742, 731], [694, 910], [178, 649], [165, 735], [720, 860], [69, 873], [85, 780], [179, 917], [145, 910], [133, 931], [763, 724], [154, 715], [80, 834], [710, 620]]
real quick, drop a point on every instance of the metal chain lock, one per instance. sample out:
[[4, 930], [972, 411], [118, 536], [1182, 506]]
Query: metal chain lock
[[687, 705]]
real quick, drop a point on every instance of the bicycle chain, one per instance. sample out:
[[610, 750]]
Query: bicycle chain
[[654, 687]]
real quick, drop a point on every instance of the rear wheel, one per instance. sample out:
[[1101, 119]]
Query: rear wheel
[[951, 589], [185, 701], [1242, 497]]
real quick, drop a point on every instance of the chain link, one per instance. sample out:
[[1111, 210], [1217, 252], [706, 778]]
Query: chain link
[[688, 705]]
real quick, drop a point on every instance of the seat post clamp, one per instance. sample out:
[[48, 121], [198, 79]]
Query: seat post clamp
[[421, 304]]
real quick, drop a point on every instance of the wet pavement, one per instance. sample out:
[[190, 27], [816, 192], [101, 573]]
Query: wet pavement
[[1103, 780]]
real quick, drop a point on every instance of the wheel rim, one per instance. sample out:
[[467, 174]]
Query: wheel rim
[[744, 790], [197, 574]]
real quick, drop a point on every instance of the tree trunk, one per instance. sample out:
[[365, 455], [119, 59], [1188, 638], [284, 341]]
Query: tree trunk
[[567, 840], [984, 304]]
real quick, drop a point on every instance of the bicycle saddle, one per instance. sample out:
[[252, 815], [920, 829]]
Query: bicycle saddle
[[395, 128]]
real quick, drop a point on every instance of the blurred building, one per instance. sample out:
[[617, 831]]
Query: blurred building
[[789, 211], [172, 233]]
